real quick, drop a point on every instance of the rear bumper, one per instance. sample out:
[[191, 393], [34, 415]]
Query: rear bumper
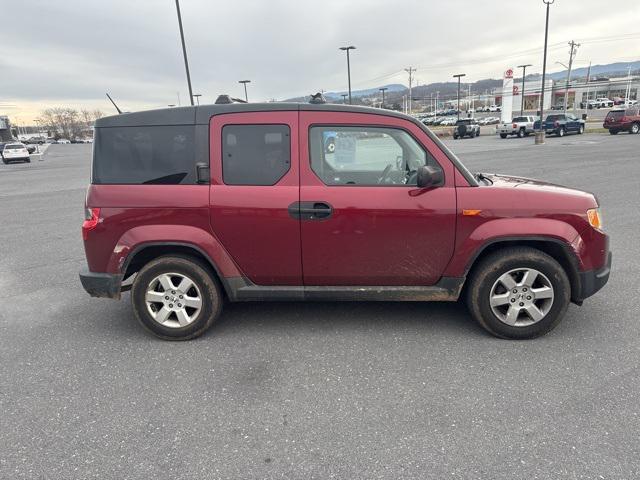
[[593, 280], [105, 285]]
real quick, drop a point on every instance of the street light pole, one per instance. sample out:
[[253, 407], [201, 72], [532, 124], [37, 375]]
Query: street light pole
[[540, 134], [244, 82], [344, 98], [346, 49], [184, 52], [197, 97], [524, 70], [458, 75], [410, 71], [383, 89]]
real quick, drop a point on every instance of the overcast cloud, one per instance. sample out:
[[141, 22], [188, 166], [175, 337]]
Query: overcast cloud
[[70, 52]]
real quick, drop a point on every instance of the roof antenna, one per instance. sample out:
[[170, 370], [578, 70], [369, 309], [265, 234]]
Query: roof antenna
[[114, 103]]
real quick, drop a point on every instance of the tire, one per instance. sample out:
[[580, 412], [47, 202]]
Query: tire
[[581, 130], [485, 283], [635, 128], [455, 137], [175, 269], [613, 132], [520, 133], [503, 135], [561, 132]]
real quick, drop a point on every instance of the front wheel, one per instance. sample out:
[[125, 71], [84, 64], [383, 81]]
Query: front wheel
[[176, 298], [561, 132], [635, 128], [581, 130], [518, 293]]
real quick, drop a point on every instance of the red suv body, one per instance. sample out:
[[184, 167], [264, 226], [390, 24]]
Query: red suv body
[[622, 119], [191, 207]]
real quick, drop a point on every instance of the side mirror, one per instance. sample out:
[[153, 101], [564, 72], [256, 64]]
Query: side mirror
[[429, 176]]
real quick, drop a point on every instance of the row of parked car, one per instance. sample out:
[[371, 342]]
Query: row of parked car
[[450, 121]]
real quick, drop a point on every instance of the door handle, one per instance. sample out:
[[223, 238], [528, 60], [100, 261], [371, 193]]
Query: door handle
[[310, 210]]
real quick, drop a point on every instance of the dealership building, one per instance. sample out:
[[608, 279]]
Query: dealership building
[[579, 91]]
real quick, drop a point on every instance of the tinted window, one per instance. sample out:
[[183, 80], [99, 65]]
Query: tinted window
[[137, 155], [13, 147], [366, 156], [255, 154], [553, 118], [521, 119], [631, 113]]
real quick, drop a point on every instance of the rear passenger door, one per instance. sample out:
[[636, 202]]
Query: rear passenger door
[[254, 179]]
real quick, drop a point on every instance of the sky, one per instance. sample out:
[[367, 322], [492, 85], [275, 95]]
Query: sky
[[70, 52]]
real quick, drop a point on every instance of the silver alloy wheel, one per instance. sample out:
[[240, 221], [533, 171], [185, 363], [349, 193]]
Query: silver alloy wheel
[[561, 132], [173, 300], [635, 128], [331, 147], [521, 297]]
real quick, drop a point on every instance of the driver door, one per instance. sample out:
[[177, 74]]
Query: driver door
[[363, 220]]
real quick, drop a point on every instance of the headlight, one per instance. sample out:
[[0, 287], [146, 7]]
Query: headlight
[[595, 218]]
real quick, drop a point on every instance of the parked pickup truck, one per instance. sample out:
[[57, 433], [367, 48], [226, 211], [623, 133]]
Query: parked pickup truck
[[520, 126], [195, 207], [561, 124]]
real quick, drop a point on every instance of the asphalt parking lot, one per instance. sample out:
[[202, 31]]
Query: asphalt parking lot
[[317, 390]]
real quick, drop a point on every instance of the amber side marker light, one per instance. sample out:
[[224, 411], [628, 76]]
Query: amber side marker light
[[471, 213], [595, 219]]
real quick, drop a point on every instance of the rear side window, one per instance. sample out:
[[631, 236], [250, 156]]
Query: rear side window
[[144, 155], [255, 154]]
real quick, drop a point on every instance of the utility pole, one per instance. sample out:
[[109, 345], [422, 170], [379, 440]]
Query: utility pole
[[410, 71], [524, 71], [184, 52], [574, 46], [344, 97]]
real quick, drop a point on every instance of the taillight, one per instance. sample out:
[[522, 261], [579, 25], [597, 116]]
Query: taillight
[[515, 125], [91, 220]]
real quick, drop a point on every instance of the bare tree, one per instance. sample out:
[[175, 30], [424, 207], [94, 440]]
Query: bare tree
[[68, 122]]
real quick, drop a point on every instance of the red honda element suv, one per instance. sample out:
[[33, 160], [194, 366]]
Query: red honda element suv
[[193, 207]]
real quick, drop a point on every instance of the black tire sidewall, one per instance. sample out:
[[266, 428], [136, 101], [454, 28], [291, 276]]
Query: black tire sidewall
[[484, 282], [209, 290]]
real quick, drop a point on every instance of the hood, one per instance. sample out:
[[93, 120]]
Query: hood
[[530, 186]]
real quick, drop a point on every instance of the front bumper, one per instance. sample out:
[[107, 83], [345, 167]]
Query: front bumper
[[593, 280], [105, 285]]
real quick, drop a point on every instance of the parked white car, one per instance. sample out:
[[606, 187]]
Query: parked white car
[[64, 140], [602, 102], [494, 108], [15, 152]]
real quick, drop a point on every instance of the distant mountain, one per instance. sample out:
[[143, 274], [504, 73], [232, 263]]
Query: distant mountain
[[448, 90], [619, 68], [333, 96]]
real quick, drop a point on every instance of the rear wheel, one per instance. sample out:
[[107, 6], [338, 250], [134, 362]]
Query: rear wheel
[[561, 132], [613, 132], [521, 133], [503, 135], [635, 128], [518, 293], [176, 298], [581, 130]]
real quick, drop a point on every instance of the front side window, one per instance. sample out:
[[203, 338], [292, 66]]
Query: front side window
[[144, 155], [373, 156], [255, 154]]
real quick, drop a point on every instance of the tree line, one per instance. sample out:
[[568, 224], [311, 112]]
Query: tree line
[[63, 122]]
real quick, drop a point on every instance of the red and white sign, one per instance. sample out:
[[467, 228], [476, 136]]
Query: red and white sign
[[508, 73]]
